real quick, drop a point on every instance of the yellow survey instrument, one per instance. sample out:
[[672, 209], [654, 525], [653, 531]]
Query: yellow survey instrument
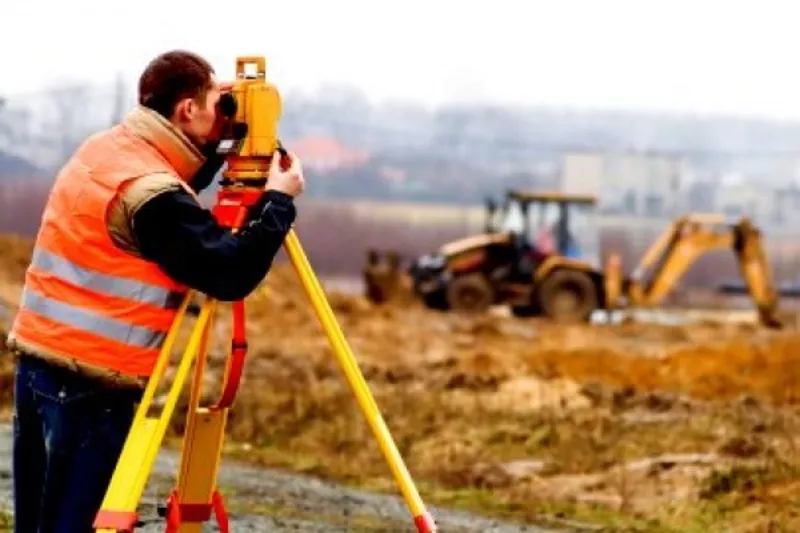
[[254, 108]]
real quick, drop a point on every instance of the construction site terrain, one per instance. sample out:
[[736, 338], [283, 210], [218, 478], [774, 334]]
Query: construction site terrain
[[624, 427]]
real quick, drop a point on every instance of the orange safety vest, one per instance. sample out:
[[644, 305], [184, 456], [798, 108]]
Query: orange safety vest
[[84, 298]]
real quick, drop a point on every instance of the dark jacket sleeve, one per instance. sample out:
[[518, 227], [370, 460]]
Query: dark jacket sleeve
[[185, 240]]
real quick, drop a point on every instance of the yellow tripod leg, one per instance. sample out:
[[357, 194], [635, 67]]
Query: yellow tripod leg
[[422, 519], [118, 510], [193, 499], [196, 495]]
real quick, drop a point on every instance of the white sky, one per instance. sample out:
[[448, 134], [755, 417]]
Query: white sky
[[705, 56]]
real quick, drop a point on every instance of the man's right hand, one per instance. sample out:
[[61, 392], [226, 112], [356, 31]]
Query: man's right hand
[[289, 181]]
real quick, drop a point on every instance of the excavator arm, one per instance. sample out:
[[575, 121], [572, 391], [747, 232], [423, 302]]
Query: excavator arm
[[688, 238], [754, 267]]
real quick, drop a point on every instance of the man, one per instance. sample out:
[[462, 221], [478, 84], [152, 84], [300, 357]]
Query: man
[[122, 237]]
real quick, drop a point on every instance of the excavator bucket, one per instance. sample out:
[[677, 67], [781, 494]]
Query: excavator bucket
[[383, 280]]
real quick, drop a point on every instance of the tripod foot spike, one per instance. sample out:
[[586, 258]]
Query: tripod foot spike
[[425, 523], [112, 520]]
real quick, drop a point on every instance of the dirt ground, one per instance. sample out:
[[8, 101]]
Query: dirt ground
[[628, 427]]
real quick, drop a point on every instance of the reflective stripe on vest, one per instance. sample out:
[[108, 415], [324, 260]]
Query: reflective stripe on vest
[[84, 319], [137, 291]]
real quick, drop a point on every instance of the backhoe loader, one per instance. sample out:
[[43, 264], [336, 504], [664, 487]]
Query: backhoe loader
[[540, 255]]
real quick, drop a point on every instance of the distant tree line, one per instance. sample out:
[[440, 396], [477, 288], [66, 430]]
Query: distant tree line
[[455, 152]]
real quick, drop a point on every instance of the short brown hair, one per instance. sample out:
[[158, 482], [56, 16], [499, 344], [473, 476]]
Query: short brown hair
[[172, 76]]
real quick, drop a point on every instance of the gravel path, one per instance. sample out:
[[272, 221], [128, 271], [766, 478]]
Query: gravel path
[[266, 501]]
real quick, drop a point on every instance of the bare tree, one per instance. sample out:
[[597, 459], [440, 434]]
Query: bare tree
[[120, 97], [5, 126], [71, 107]]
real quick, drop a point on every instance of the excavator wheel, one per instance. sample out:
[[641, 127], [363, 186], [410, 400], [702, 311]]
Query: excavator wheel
[[568, 296], [525, 311], [436, 300], [470, 293]]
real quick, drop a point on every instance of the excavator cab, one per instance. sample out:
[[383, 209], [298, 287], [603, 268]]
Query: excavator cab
[[559, 224], [545, 225]]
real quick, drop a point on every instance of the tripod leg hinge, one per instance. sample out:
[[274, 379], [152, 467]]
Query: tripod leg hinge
[[425, 523], [117, 520], [179, 513]]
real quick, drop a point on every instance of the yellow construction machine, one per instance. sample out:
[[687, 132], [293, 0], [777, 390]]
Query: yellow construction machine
[[540, 254]]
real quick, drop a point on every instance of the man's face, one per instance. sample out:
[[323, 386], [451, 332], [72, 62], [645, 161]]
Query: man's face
[[198, 119]]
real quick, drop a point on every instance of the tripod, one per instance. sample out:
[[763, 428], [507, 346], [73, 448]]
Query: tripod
[[196, 496]]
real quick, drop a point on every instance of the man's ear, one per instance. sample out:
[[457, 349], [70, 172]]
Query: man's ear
[[185, 109]]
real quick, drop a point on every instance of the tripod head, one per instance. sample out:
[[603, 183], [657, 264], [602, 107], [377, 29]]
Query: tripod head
[[250, 137], [251, 112]]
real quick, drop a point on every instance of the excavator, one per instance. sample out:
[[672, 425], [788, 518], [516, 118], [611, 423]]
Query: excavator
[[540, 255]]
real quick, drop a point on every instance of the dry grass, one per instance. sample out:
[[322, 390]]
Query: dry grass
[[15, 253], [749, 362]]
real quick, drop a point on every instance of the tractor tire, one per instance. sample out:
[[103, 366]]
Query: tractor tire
[[568, 296], [470, 293]]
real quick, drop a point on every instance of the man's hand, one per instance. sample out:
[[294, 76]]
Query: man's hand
[[290, 180]]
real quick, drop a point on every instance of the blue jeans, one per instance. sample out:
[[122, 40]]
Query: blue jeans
[[68, 434]]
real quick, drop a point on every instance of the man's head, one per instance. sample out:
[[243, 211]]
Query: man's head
[[182, 87]]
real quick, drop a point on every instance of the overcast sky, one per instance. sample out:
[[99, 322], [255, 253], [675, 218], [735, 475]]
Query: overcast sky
[[704, 56]]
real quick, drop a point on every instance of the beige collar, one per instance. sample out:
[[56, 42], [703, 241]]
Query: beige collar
[[171, 143]]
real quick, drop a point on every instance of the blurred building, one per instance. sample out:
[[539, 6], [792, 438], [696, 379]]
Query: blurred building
[[786, 207], [628, 183]]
